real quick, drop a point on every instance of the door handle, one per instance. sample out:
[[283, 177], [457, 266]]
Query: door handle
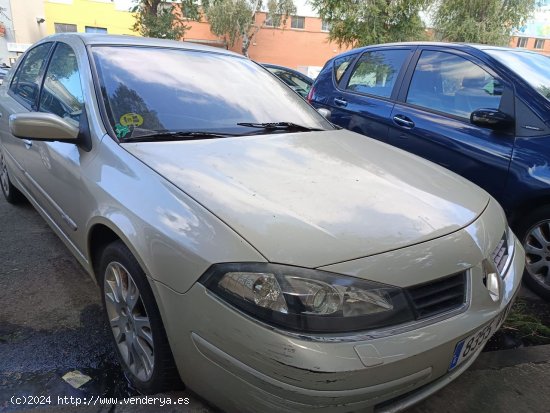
[[28, 143], [403, 121], [340, 102]]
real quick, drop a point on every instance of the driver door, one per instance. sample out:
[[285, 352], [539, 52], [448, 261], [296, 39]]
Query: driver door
[[432, 117]]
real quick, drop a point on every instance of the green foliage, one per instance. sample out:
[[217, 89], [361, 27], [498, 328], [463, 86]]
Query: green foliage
[[235, 19], [358, 22], [480, 21], [155, 18], [125, 100], [526, 323]]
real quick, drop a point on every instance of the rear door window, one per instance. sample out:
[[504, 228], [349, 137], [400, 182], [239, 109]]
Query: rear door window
[[341, 65], [452, 84], [26, 82], [376, 72]]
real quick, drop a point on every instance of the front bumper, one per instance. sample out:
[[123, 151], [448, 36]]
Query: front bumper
[[242, 365]]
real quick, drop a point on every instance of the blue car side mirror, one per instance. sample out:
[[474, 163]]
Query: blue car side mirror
[[491, 118]]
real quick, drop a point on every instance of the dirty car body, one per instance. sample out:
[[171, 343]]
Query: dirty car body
[[270, 260]]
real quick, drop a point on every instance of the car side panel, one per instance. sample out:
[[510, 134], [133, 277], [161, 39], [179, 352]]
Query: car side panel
[[528, 185], [14, 148], [173, 237]]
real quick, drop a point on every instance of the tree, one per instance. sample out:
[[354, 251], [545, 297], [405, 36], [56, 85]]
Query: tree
[[236, 19], [480, 21], [157, 18], [358, 22]]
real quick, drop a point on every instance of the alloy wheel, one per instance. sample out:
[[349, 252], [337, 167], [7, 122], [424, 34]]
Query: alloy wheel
[[537, 253], [4, 178], [129, 321]]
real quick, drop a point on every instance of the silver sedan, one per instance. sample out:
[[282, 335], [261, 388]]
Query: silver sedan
[[242, 243]]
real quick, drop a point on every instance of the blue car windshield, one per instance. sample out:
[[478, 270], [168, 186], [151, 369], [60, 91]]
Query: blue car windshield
[[152, 89], [534, 68]]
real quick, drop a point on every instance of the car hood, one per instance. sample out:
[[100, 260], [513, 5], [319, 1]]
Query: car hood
[[317, 198]]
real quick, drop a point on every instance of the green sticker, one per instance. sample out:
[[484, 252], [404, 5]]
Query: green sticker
[[121, 130], [490, 87]]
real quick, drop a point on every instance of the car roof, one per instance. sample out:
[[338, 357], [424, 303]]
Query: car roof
[[284, 68], [130, 40], [481, 47]]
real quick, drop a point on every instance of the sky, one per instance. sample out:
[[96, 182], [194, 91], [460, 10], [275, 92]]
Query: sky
[[123, 4]]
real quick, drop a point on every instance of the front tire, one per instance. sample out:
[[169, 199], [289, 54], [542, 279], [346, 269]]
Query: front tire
[[134, 319], [11, 193], [534, 234]]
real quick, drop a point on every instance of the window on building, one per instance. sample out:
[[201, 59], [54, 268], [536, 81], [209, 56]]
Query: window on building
[[451, 84], [91, 29], [26, 82], [522, 42], [64, 27], [268, 21], [539, 43], [298, 22], [375, 72], [325, 26], [62, 92]]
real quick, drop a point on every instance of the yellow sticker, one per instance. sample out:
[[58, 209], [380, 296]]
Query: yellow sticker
[[131, 119]]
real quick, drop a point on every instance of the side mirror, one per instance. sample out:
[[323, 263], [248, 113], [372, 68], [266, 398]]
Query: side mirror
[[491, 118], [325, 112], [42, 126]]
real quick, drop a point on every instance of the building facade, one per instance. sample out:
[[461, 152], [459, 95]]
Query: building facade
[[301, 44], [22, 24], [93, 16], [535, 34]]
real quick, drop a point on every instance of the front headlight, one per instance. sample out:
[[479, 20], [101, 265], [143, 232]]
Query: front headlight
[[308, 300]]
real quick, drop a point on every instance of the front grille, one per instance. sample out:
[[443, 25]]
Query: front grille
[[500, 255], [439, 296]]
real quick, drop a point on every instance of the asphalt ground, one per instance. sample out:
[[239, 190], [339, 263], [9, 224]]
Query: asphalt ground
[[51, 323]]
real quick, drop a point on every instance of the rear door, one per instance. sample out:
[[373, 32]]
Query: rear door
[[363, 99], [432, 117], [20, 97]]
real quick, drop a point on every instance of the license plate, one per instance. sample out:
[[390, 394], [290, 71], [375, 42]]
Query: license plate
[[470, 345]]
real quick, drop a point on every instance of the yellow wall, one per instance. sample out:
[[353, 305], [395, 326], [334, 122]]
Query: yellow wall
[[88, 13]]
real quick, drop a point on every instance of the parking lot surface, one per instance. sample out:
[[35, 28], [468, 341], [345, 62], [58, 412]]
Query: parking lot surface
[[51, 323]]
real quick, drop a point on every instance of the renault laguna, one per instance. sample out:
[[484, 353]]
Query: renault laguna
[[245, 246]]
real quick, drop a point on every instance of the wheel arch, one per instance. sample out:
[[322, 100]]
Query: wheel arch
[[520, 212], [101, 233]]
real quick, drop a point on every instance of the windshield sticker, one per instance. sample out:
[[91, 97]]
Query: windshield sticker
[[131, 119], [121, 130]]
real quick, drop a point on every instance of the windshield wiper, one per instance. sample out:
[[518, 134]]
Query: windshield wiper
[[177, 135], [277, 126]]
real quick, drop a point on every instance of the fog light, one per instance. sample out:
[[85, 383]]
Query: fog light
[[493, 286]]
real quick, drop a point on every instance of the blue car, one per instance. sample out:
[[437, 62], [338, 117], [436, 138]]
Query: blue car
[[480, 111]]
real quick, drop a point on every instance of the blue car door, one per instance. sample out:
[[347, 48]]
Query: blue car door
[[432, 116], [363, 98]]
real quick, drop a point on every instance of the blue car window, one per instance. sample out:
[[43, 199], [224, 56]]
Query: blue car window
[[451, 84], [341, 64], [375, 72]]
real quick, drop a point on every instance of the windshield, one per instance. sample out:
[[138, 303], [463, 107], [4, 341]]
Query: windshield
[[148, 90], [532, 67]]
